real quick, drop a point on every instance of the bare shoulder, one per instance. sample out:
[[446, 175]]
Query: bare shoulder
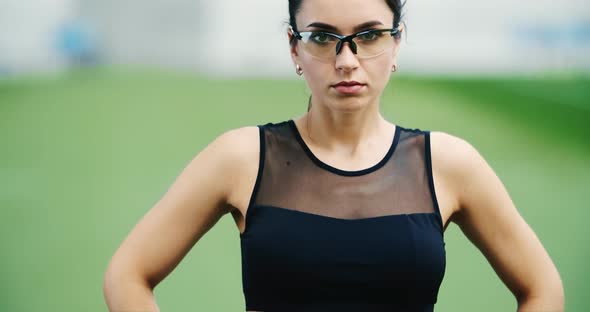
[[454, 162], [241, 148], [472, 182], [453, 153], [239, 145]]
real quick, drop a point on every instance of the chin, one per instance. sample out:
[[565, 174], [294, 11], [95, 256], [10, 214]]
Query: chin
[[349, 104]]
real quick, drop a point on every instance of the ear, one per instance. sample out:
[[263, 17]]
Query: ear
[[401, 29], [293, 47], [398, 42]]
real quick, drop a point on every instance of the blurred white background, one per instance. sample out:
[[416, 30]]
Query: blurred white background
[[248, 38]]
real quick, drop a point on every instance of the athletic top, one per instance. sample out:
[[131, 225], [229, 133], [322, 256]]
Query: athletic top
[[318, 238]]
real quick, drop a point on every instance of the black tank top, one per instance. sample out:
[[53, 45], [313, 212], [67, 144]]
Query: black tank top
[[318, 238]]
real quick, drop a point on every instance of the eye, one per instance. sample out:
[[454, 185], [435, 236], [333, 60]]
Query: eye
[[320, 37], [370, 36]]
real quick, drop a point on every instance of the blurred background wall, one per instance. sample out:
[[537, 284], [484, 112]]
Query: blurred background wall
[[28, 35], [247, 38]]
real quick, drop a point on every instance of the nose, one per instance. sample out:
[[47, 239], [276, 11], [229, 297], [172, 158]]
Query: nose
[[346, 60]]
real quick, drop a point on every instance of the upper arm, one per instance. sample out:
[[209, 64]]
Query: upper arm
[[490, 220], [191, 206]]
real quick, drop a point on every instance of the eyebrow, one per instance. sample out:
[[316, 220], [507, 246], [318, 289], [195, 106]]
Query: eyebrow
[[335, 29]]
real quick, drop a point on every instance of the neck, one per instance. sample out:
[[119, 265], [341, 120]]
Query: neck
[[329, 129]]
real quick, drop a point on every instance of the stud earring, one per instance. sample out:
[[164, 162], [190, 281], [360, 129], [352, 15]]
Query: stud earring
[[394, 69], [299, 70]]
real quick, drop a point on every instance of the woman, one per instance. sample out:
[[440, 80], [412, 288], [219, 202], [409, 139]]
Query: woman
[[338, 209]]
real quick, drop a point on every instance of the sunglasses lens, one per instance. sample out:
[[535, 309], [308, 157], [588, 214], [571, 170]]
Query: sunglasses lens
[[373, 43], [320, 44], [325, 46]]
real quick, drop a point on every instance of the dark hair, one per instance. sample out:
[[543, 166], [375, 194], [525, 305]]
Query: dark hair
[[396, 7]]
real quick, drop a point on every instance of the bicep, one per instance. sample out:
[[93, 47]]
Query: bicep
[[490, 220], [194, 202]]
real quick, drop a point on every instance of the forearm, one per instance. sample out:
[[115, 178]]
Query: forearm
[[553, 302], [128, 295]]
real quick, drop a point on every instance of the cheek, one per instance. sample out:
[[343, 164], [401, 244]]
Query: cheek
[[379, 72], [316, 75]]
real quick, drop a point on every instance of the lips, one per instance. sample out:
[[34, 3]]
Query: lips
[[347, 83], [349, 87]]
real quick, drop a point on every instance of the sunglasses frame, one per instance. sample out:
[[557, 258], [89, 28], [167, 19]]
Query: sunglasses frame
[[341, 39]]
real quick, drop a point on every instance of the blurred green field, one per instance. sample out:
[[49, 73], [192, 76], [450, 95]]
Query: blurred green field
[[86, 154]]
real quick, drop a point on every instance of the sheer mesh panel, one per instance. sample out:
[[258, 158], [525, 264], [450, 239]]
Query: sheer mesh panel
[[292, 179]]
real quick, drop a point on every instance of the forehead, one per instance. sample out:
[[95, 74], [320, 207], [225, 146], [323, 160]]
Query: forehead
[[344, 14]]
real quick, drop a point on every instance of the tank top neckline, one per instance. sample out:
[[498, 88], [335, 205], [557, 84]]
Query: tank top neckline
[[342, 172]]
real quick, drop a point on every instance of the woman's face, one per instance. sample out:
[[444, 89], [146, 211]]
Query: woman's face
[[321, 75]]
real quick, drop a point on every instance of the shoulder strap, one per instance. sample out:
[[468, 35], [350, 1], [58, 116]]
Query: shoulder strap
[[428, 156], [261, 158]]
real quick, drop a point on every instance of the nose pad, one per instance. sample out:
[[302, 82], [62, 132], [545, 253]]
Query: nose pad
[[350, 43]]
